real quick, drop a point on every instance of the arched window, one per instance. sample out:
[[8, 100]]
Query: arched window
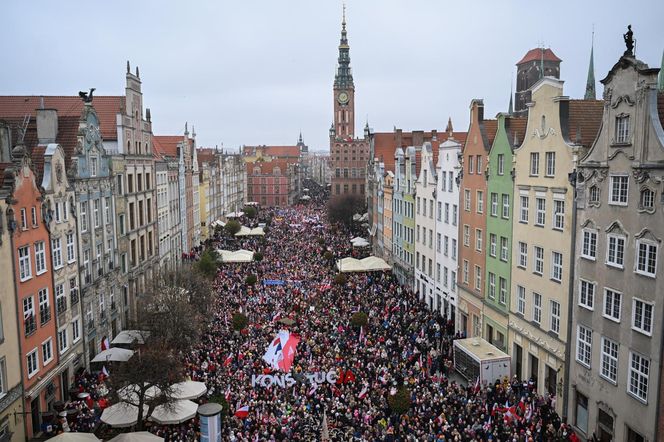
[[594, 194], [647, 199]]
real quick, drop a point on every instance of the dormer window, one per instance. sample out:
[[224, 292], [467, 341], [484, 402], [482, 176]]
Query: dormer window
[[94, 166], [622, 128], [647, 199]]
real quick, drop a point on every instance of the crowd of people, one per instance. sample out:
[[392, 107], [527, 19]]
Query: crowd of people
[[403, 346]]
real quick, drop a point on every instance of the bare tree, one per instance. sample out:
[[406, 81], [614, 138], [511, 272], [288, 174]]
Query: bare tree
[[341, 208]]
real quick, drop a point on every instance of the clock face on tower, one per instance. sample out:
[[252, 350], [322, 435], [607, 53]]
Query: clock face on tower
[[342, 98]]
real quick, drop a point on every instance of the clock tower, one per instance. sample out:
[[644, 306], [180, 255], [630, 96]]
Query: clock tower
[[344, 90]]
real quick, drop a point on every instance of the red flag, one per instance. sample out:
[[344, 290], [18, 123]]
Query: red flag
[[228, 360], [242, 412]]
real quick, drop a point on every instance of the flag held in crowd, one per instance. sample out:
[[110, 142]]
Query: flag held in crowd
[[242, 412], [281, 352]]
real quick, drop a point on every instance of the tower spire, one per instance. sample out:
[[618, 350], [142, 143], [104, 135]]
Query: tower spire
[[510, 109], [590, 83], [344, 76]]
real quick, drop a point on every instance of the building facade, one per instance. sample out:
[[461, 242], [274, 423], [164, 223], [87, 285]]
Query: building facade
[[426, 240], [403, 216], [472, 221], [615, 385], [272, 174]]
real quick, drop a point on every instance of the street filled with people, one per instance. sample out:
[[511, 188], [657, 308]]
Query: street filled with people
[[342, 377]]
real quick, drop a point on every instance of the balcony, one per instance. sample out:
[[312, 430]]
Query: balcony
[[61, 304]]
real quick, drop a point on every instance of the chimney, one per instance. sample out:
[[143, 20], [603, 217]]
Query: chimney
[[434, 134], [418, 138], [398, 135], [47, 125]]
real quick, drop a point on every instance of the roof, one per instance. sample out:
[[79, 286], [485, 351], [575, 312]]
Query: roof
[[274, 151], [167, 145], [3, 167], [489, 129], [481, 349], [205, 155], [516, 130], [585, 117], [267, 167], [538, 54], [385, 143], [107, 108]]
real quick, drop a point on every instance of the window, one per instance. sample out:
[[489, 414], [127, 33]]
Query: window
[[558, 214], [503, 249], [555, 317], [557, 266], [647, 199], [587, 294], [541, 211], [534, 163], [503, 290], [593, 196], [619, 184], [454, 248], [521, 300], [537, 308], [29, 315], [584, 343], [437, 272], [550, 158], [454, 214], [44, 306], [478, 240], [471, 164], [443, 182], [447, 213], [615, 252], [57, 212], [480, 201], [523, 213], [440, 211], [453, 280], [501, 164], [646, 258], [466, 200], [71, 252], [430, 209], [465, 271], [76, 330], [107, 210], [466, 235], [438, 241], [612, 301], [446, 243], [84, 216], [40, 257], [492, 286], [47, 351], [494, 204], [506, 206], [523, 254], [56, 252], [589, 248], [609, 360], [33, 213], [60, 298], [24, 266], [639, 369], [24, 219], [642, 316], [478, 278], [63, 343], [492, 244], [450, 177], [32, 363], [622, 128], [539, 261], [419, 204]]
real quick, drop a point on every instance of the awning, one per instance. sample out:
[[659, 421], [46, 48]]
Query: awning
[[130, 336], [113, 354], [174, 412]]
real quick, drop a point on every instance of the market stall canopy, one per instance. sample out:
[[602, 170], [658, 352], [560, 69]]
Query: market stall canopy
[[121, 415], [130, 336], [236, 256], [138, 436], [218, 222], [174, 413], [369, 264], [188, 390], [359, 242], [130, 393], [360, 218], [237, 214], [246, 231], [305, 197], [114, 354], [74, 437]]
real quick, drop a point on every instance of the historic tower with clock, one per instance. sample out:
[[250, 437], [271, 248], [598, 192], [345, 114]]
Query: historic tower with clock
[[349, 154]]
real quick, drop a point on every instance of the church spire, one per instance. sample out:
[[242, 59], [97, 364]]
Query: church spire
[[510, 109], [344, 76], [590, 83], [660, 84]]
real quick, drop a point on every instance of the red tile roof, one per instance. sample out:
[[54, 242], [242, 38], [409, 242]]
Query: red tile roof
[[516, 129], [107, 108], [274, 151], [585, 117], [490, 128], [37, 157], [167, 145], [205, 155], [538, 54]]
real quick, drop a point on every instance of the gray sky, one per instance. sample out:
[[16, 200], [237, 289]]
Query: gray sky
[[259, 71]]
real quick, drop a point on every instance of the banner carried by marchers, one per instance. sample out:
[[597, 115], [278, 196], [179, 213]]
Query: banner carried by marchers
[[281, 351]]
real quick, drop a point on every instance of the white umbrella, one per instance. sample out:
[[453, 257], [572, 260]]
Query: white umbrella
[[130, 393], [121, 415], [139, 436], [174, 413], [74, 437], [114, 354], [129, 336], [188, 390]]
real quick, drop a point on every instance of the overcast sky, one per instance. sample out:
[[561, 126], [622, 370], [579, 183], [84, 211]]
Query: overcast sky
[[259, 71]]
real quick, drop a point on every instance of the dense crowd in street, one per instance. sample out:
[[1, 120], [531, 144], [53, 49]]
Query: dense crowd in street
[[403, 344]]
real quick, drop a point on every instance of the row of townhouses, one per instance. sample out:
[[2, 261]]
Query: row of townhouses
[[92, 206], [538, 231]]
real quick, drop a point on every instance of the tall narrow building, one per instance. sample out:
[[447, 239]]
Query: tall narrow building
[[349, 154]]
